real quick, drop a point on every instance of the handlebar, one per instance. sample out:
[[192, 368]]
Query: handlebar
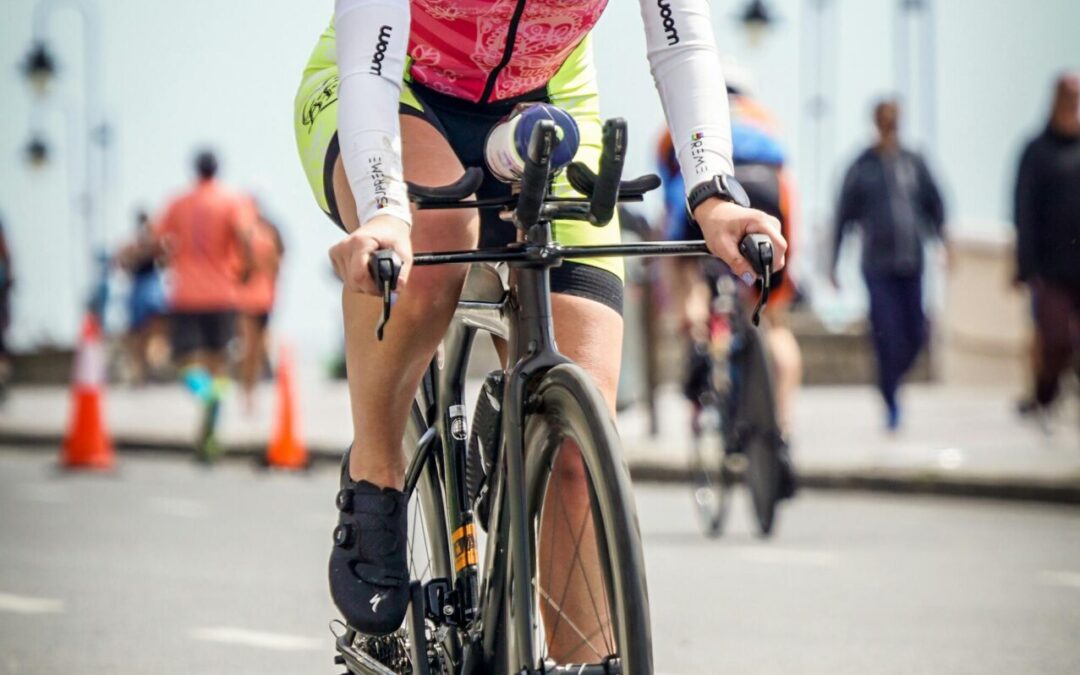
[[758, 250], [385, 268], [602, 192]]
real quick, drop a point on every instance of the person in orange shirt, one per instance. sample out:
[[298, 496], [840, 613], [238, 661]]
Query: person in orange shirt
[[256, 300], [201, 235]]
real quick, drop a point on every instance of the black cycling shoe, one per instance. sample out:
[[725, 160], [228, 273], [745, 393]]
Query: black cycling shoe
[[369, 567]]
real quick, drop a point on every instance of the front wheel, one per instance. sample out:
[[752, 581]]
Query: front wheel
[[759, 434], [712, 481], [589, 573]]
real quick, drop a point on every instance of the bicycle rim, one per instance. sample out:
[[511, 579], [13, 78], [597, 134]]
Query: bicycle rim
[[589, 576], [763, 481], [429, 555], [758, 412], [711, 482]]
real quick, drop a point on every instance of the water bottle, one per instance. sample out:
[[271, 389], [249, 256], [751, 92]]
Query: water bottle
[[507, 143]]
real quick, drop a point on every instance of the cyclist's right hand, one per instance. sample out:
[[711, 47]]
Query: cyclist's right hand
[[350, 256]]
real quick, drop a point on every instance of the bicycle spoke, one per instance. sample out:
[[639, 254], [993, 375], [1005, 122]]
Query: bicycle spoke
[[581, 634], [586, 642], [587, 517], [578, 563], [412, 534]]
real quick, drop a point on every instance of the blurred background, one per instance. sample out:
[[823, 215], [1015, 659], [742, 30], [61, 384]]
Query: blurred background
[[163, 79], [107, 103]]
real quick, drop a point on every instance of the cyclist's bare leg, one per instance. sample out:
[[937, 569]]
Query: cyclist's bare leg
[[590, 334], [787, 366], [383, 376], [690, 291]]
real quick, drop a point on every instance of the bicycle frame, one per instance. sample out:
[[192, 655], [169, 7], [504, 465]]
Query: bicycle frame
[[523, 316]]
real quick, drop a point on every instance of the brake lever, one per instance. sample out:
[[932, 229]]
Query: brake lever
[[758, 251], [385, 268]]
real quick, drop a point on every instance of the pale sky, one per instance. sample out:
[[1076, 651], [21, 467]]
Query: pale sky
[[182, 74]]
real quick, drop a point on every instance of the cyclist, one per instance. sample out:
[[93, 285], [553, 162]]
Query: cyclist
[[759, 167], [398, 90]]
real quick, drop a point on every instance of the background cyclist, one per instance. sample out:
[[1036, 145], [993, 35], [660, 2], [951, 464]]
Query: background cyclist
[[759, 166]]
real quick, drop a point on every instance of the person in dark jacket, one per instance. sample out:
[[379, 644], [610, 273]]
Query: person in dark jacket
[[890, 195], [6, 282], [1048, 237]]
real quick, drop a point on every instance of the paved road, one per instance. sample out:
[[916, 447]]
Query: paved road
[[171, 569]]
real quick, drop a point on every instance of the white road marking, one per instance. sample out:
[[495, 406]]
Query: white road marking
[[771, 555], [950, 459], [22, 604], [258, 639], [178, 507], [1061, 578]]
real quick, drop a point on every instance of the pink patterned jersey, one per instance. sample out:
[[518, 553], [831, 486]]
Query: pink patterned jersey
[[492, 50]]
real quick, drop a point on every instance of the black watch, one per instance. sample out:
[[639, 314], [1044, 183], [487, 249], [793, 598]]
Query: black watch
[[724, 187]]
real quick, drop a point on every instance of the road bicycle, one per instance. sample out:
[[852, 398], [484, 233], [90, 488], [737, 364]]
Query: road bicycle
[[491, 606], [736, 436]]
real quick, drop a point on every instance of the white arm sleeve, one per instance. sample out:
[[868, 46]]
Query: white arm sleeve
[[686, 69], [372, 39]]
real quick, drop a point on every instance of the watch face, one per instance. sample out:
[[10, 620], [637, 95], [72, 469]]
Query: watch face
[[733, 188]]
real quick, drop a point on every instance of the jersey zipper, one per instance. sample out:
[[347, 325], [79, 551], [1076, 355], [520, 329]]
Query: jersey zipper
[[511, 35]]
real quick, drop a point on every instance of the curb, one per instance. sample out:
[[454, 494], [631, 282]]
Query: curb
[[1011, 488], [927, 483]]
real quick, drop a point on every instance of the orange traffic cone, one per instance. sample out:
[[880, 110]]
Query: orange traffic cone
[[87, 444], [286, 450]]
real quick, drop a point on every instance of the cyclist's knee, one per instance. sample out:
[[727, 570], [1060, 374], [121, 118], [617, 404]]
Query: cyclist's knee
[[432, 291], [786, 355], [590, 334]]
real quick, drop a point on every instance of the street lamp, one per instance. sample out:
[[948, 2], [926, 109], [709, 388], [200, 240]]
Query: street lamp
[[88, 142], [756, 18], [37, 152], [916, 64], [39, 68]]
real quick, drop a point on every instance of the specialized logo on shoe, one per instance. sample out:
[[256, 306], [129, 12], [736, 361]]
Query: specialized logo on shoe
[[375, 600]]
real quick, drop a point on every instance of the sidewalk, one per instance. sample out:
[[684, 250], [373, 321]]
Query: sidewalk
[[956, 441]]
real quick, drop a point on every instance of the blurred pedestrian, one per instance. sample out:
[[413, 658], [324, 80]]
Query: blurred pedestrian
[[256, 302], [146, 303], [890, 195], [1048, 238], [6, 282], [201, 236]]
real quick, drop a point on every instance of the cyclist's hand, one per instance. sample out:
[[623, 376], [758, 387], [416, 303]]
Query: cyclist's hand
[[725, 224], [350, 255]]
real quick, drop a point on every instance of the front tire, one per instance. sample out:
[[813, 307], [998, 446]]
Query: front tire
[[759, 435], [566, 411]]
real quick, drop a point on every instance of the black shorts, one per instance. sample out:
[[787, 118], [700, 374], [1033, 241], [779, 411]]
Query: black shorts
[[201, 331], [465, 126]]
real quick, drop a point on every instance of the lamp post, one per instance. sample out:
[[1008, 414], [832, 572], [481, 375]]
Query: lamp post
[[915, 40], [757, 19], [40, 70]]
